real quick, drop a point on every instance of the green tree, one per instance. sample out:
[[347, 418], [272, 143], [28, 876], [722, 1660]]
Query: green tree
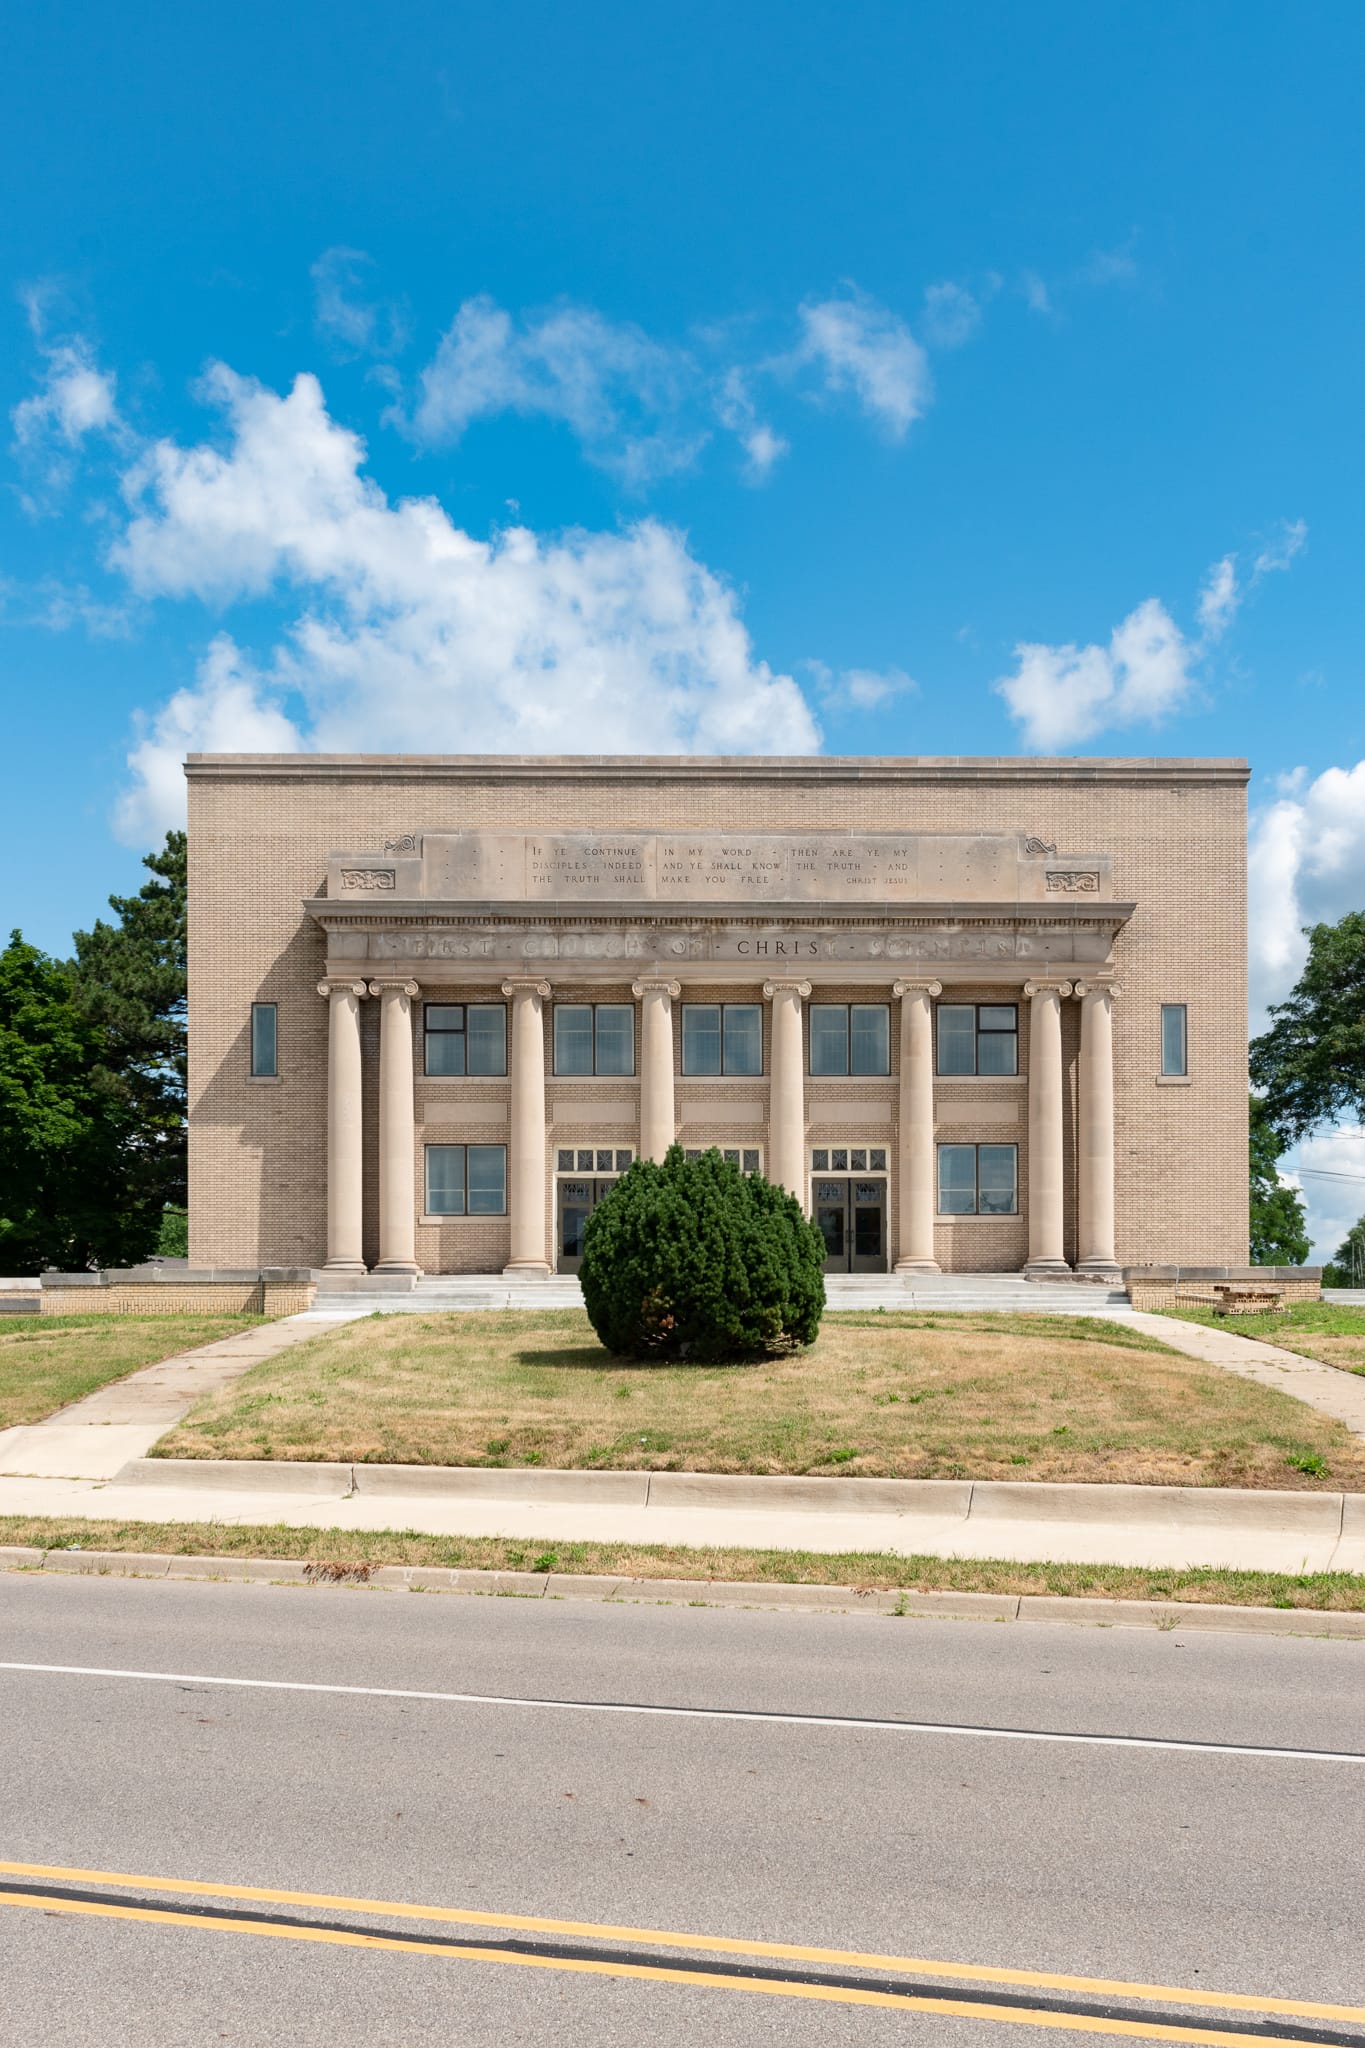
[[1310, 1064], [1347, 1265], [693, 1259], [1279, 1228], [130, 981], [65, 1133]]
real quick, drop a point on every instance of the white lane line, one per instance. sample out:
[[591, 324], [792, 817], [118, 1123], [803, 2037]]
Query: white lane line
[[856, 1723]]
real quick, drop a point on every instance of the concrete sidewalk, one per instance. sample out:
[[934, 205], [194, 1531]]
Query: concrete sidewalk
[[1151, 1526]]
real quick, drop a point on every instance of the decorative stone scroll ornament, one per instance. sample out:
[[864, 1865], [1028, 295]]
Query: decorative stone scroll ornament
[[359, 989], [1034, 846], [1073, 882], [526, 988], [796, 988], [932, 989], [1094, 987], [1045, 985], [407, 842], [640, 989], [369, 879], [410, 989]]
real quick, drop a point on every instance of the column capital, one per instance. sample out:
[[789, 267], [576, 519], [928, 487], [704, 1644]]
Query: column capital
[[794, 988], [528, 987], [1046, 986], [659, 987], [917, 988], [406, 988], [1092, 987], [343, 987]]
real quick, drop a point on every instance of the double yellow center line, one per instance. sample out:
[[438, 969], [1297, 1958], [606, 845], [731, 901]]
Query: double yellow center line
[[1019, 2013]]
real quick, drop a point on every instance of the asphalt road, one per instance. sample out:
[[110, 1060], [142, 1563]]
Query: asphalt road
[[1195, 1869]]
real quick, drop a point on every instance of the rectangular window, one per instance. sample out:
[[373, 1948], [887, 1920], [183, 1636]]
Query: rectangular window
[[1175, 1048], [594, 1038], [264, 1041], [722, 1038], [850, 1038], [465, 1039], [747, 1158], [466, 1180], [978, 1180], [978, 1038]]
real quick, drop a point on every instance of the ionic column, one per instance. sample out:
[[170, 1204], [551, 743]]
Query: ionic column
[[1046, 1210], [526, 1200], [397, 1128], [657, 1120], [1095, 1251], [345, 1147], [915, 1234], [787, 1089]]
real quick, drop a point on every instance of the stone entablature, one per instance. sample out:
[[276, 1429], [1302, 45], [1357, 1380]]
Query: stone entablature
[[706, 869]]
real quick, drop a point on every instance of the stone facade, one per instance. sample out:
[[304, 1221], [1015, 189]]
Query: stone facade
[[1086, 892]]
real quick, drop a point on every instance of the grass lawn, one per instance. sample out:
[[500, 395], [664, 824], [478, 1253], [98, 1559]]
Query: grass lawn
[[46, 1361], [341, 1551], [900, 1395], [1316, 1329]]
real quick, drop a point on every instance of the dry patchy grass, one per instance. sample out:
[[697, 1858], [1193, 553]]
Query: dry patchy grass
[[909, 1396], [1315, 1329], [342, 1550], [48, 1361]]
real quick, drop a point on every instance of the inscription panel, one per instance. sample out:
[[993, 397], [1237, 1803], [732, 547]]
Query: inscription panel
[[637, 946], [705, 868]]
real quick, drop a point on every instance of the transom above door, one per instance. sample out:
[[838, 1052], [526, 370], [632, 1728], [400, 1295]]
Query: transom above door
[[583, 1175]]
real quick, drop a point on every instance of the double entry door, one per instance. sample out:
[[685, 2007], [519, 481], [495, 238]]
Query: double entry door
[[577, 1200], [851, 1214]]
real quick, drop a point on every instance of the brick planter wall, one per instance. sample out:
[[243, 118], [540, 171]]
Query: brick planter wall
[[272, 1292], [1152, 1287]]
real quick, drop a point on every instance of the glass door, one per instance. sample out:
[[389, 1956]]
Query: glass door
[[851, 1217], [577, 1200]]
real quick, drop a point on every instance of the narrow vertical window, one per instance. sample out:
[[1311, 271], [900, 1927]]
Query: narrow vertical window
[[264, 1041], [1175, 1048]]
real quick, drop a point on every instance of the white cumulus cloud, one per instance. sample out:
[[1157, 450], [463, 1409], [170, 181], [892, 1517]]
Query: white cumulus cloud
[[346, 314], [411, 634], [864, 350], [74, 399], [1307, 866], [621, 393], [1061, 695], [952, 315]]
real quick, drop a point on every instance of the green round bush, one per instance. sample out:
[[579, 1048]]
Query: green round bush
[[693, 1259]]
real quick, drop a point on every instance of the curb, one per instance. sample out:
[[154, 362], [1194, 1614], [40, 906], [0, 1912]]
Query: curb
[[1264, 1511], [615, 1590]]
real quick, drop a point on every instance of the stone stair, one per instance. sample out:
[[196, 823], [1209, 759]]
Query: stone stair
[[1005, 1293]]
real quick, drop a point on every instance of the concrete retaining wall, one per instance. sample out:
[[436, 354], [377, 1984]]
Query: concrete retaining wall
[[1151, 1287]]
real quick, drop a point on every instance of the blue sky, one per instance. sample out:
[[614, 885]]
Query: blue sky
[[886, 378]]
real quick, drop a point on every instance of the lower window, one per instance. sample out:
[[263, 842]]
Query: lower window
[[466, 1180], [978, 1180]]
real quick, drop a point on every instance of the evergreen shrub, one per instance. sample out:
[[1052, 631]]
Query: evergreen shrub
[[692, 1259]]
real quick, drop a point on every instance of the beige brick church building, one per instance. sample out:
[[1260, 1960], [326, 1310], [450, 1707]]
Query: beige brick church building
[[978, 1015]]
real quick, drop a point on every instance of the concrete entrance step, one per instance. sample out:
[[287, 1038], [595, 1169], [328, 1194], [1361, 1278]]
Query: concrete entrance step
[[963, 1293]]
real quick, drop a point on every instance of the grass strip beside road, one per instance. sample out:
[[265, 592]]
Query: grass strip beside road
[[898, 1394], [865, 1571], [46, 1362], [1334, 1335]]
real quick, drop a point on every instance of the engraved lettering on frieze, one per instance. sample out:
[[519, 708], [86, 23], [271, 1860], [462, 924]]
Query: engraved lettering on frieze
[[1072, 882], [368, 878]]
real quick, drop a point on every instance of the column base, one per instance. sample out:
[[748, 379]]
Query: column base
[[409, 1266], [1099, 1269], [345, 1266], [1047, 1269], [528, 1269], [917, 1266]]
